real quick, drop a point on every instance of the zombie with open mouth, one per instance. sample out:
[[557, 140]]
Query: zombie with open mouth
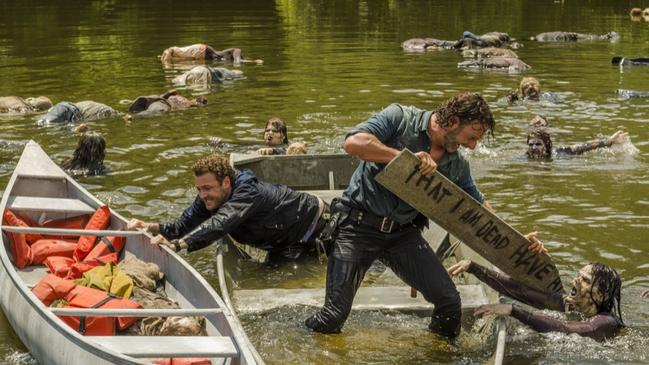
[[595, 294]]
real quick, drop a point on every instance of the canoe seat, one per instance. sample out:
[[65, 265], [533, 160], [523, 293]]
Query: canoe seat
[[42, 204], [169, 346]]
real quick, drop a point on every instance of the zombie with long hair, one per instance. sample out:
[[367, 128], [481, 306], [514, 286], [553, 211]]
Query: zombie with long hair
[[88, 157], [595, 294], [539, 144], [276, 140]]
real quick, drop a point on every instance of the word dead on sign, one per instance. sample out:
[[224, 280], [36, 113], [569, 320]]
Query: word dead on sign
[[446, 204]]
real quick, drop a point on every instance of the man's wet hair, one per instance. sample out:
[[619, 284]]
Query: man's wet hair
[[544, 136], [216, 164], [468, 107], [609, 284], [89, 155], [280, 126]]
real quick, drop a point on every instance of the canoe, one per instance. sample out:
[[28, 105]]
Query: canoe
[[39, 189], [327, 176]]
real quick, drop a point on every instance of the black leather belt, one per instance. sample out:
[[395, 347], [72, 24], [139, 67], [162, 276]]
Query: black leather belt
[[383, 224]]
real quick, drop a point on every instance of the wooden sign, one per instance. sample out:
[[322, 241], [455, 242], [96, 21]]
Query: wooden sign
[[461, 215]]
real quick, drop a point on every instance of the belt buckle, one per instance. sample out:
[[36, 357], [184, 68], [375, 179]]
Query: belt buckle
[[383, 224]]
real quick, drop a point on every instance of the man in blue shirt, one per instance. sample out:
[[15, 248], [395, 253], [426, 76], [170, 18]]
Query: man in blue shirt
[[379, 225]]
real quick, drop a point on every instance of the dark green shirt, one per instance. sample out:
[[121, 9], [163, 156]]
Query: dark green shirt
[[401, 127]]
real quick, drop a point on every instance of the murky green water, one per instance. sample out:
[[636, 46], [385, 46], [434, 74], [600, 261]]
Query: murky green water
[[327, 66]]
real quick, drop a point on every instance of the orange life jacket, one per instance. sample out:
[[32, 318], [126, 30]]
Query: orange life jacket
[[105, 246], [77, 222], [83, 297], [77, 269], [46, 247], [99, 220], [20, 250], [52, 287], [58, 265]]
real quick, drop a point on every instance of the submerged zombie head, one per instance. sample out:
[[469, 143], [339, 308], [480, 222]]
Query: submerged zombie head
[[538, 121], [596, 289], [530, 88], [539, 144], [275, 133]]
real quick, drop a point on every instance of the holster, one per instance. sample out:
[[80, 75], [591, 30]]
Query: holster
[[339, 212]]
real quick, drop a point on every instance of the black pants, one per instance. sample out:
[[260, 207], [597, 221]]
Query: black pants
[[407, 254]]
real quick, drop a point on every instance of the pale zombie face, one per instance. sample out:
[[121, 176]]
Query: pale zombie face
[[273, 136], [579, 298], [211, 191], [536, 148], [466, 136]]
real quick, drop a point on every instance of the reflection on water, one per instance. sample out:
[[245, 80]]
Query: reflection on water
[[327, 66]]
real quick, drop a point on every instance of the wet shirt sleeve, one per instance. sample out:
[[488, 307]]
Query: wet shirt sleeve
[[189, 219], [243, 202], [579, 149], [599, 327], [384, 125], [507, 286]]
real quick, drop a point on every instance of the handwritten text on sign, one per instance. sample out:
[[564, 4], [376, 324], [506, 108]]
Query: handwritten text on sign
[[454, 210]]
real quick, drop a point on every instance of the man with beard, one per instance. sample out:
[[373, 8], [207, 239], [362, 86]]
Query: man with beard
[[539, 144], [267, 216], [595, 294], [375, 224]]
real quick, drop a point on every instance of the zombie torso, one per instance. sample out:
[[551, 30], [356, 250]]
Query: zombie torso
[[599, 327]]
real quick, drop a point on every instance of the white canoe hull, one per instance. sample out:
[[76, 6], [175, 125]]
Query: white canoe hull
[[49, 339]]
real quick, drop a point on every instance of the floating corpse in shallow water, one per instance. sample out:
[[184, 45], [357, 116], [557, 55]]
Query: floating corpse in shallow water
[[489, 52], [491, 39], [156, 104], [417, 44], [575, 37], [203, 52], [496, 63], [623, 61], [629, 94], [83, 111], [18, 105], [203, 76]]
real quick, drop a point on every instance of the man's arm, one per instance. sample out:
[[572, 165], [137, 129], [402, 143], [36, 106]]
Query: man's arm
[[244, 202], [188, 220], [368, 147], [598, 328], [616, 138], [505, 285], [367, 140]]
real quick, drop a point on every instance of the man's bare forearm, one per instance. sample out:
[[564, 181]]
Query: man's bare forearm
[[368, 148]]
